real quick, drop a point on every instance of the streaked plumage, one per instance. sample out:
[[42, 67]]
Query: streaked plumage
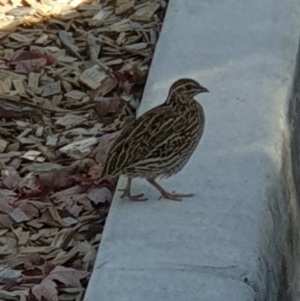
[[160, 142]]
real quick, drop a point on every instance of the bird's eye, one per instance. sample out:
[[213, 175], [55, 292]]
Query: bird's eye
[[189, 88]]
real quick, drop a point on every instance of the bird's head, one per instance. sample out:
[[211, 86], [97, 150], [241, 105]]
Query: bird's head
[[186, 87]]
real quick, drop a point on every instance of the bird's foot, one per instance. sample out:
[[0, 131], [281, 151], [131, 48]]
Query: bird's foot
[[134, 198], [175, 196]]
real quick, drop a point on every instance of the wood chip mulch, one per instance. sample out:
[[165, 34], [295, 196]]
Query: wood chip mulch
[[72, 74]]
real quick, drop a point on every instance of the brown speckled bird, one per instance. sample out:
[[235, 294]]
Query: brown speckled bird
[[159, 143]]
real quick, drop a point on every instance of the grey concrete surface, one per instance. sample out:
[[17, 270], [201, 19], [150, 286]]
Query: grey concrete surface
[[229, 241]]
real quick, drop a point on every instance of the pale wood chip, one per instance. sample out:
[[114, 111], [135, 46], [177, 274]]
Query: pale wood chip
[[43, 8], [120, 38], [20, 295], [107, 85], [69, 221], [10, 25], [39, 250], [51, 217], [68, 42], [33, 80], [122, 26], [67, 59], [46, 152], [43, 39], [75, 3], [3, 231], [54, 49], [25, 132], [21, 11], [23, 238], [35, 224], [75, 94], [114, 62], [62, 238], [31, 155], [79, 149], [138, 46], [51, 140], [95, 48], [40, 159], [70, 14], [21, 38], [93, 77], [16, 163], [122, 6], [48, 232], [39, 168], [39, 131], [9, 74], [4, 88], [10, 276], [8, 82], [19, 216], [145, 13], [51, 89], [57, 9], [3, 241], [63, 256], [102, 14], [97, 128], [70, 120], [3, 145], [18, 84], [67, 86], [9, 155], [25, 141]]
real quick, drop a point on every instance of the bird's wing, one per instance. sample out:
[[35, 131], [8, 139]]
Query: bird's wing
[[142, 140]]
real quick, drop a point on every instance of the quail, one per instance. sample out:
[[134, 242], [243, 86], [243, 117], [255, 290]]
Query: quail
[[160, 142]]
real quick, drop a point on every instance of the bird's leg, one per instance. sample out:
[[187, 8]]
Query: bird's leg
[[167, 195], [127, 193]]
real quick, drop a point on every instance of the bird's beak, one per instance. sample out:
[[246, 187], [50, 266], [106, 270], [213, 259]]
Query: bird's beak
[[202, 90]]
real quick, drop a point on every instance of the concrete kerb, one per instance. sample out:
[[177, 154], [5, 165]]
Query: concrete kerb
[[238, 238]]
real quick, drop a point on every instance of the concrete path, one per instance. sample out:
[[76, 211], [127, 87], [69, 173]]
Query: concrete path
[[229, 241]]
